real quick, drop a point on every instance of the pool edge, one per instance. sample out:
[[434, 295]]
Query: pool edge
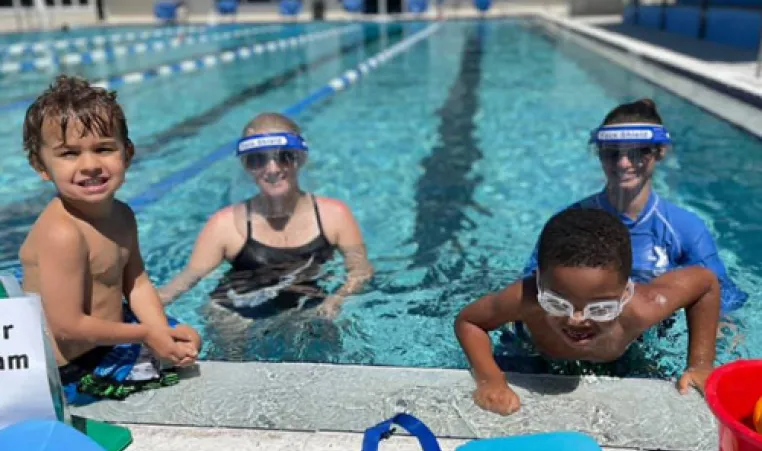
[[626, 413]]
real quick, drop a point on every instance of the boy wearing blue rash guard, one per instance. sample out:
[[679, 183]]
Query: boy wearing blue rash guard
[[664, 236]]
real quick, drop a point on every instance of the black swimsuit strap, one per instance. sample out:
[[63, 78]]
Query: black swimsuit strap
[[317, 215], [248, 218]]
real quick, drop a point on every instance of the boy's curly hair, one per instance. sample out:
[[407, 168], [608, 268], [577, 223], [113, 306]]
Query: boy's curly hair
[[73, 98], [585, 238]]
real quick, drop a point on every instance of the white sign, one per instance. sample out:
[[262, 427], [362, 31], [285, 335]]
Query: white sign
[[24, 387]]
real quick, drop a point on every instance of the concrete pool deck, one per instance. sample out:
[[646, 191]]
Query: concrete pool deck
[[318, 398]]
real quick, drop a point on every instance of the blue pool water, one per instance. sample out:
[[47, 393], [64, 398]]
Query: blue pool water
[[452, 156]]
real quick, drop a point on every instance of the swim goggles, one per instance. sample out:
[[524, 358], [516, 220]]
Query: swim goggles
[[599, 311], [286, 149]]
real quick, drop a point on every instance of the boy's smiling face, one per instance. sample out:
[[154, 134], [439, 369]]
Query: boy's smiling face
[[84, 166], [580, 287]]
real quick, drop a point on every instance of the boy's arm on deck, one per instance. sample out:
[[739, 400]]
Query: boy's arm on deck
[[138, 290], [478, 318], [179, 344], [63, 271], [208, 254], [698, 291]]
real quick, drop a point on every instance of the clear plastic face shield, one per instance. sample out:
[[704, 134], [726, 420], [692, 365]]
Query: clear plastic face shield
[[273, 160], [598, 311], [628, 153]]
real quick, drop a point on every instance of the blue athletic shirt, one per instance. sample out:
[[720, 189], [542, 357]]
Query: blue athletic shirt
[[665, 237]]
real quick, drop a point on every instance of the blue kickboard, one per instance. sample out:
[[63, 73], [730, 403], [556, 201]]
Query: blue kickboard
[[45, 435], [552, 441]]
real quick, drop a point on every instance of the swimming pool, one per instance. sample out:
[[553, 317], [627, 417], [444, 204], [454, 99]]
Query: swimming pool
[[452, 156]]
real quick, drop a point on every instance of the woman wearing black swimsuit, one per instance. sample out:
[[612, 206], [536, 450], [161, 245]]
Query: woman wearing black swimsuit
[[277, 240]]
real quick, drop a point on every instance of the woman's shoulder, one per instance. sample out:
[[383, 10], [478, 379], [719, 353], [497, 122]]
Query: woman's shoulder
[[329, 206], [679, 217], [226, 216], [337, 218]]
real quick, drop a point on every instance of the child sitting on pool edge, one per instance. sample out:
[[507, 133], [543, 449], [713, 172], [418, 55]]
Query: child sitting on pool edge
[[581, 305], [82, 255]]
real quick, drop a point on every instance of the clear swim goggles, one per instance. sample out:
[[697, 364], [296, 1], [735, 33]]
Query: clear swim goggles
[[285, 149], [598, 311]]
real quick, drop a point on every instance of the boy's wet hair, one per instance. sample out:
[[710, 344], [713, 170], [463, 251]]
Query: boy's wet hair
[[268, 122], [585, 238], [70, 99], [643, 110]]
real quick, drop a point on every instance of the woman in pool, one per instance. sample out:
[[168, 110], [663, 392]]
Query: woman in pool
[[629, 143], [276, 241]]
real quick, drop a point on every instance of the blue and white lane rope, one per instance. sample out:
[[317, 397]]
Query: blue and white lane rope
[[19, 48], [110, 54], [212, 59], [156, 191], [202, 62]]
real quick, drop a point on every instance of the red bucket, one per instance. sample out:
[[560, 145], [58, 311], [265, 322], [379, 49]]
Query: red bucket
[[732, 391]]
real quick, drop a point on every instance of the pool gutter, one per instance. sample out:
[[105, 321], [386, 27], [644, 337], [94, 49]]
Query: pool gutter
[[627, 413]]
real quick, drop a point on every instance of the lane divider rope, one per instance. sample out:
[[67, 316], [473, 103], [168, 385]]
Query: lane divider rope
[[110, 54]]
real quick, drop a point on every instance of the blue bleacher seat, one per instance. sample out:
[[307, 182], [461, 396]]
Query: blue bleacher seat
[[417, 6], [483, 5], [353, 6], [683, 20], [166, 10], [225, 7], [650, 16], [734, 27]]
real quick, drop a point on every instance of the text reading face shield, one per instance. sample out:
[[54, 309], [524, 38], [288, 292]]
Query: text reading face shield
[[273, 161], [283, 149], [636, 141], [628, 154]]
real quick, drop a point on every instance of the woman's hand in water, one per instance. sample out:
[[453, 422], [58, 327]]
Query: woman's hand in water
[[330, 307]]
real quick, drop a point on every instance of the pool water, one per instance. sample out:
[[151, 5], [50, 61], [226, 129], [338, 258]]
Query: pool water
[[452, 156]]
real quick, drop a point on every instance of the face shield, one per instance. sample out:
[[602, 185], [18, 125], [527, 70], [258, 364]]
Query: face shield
[[273, 161], [628, 153]]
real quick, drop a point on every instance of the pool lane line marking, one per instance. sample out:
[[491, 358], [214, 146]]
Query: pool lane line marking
[[154, 192]]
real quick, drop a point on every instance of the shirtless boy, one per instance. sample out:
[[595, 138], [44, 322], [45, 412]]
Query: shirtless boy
[[82, 255], [581, 305]]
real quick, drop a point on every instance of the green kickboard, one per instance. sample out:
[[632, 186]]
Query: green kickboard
[[109, 436]]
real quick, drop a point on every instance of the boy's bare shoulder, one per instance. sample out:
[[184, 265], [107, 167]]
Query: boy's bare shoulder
[[55, 230], [647, 305], [517, 299]]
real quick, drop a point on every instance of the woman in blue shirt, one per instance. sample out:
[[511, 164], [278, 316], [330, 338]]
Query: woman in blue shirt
[[629, 143]]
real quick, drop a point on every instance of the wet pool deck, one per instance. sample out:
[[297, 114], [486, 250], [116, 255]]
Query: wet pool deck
[[299, 397]]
